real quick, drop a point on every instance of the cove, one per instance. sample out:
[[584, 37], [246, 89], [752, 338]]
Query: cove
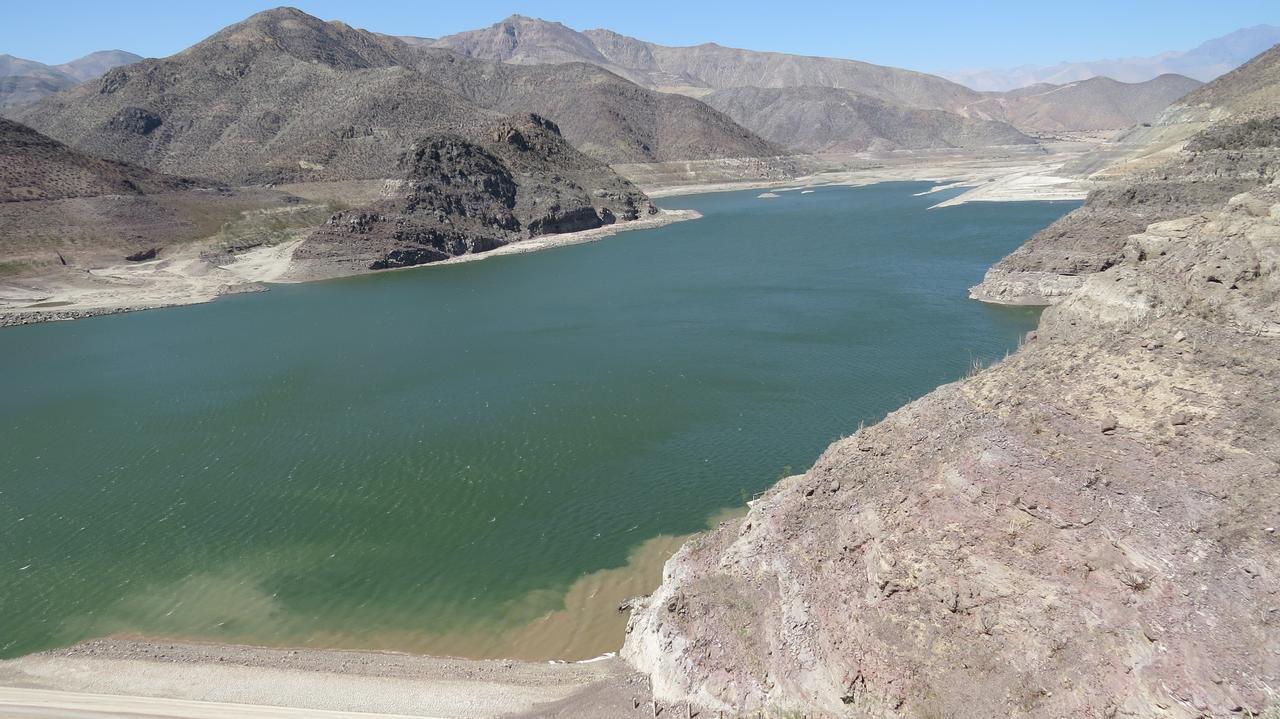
[[435, 459]]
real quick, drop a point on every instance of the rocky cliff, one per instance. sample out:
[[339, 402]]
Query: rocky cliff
[[1086, 529], [462, 196]]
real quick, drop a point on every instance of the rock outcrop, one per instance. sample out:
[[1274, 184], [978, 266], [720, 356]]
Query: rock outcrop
[[1087, 529], [462, 196]]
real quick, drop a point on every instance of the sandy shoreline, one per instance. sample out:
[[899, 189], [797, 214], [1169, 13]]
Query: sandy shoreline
[[173, 678], [1015, 178], [186, 276], [121, 678]]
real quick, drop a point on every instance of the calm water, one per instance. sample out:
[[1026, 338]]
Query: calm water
[[377, 460]]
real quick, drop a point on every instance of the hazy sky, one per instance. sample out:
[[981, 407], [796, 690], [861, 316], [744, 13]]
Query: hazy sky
[[918, 35]]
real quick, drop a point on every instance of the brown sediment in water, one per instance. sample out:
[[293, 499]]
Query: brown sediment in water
[[588, 625]]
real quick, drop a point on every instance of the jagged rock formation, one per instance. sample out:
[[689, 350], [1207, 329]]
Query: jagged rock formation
[[1086, 529], [284, 96], [823, 119], [1241, 151], [465, 196], [22, 82], [34, 167]]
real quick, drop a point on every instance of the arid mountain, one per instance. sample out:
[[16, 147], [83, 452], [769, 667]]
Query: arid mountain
[[22, 82], [1096, 104], [34, 167], [696, 70], [285, 96], [461, 196], [63, 211], [11, 66], [823, 119], [1209, 60], [775, 96], [1238, 152], [242, 105], [600, 113], [96, 63]]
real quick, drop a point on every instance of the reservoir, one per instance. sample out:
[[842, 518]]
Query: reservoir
[[477, 459]]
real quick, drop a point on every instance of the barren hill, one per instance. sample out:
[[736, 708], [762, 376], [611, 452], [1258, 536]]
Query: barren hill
[[34, 167], [795, 115], [599, 112], [701, 68], [1096, 104], [823, 119], [22, 82], [285, 96]]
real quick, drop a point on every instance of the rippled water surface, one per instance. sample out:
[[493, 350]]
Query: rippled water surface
[[396, 460]]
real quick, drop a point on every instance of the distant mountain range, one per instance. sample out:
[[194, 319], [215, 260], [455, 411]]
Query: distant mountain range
[[617, 98], [816, 104], [598, 86], [25, 81], [1205, 62]]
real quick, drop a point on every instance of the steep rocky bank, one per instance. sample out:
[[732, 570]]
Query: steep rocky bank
[[1086, 529], [461, 197], [1217, 163]]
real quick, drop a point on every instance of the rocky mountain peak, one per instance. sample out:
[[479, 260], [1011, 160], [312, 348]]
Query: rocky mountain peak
[[289, 31]]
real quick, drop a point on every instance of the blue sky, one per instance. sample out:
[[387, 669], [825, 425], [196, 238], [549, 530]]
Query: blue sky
[[919, 35]]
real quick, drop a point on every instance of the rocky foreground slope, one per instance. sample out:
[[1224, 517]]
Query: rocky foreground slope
[[1087, 529]]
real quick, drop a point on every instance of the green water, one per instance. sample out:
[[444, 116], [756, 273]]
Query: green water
[[416, 452]]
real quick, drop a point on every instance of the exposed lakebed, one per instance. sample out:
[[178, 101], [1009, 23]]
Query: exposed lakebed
[[438, 460]]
